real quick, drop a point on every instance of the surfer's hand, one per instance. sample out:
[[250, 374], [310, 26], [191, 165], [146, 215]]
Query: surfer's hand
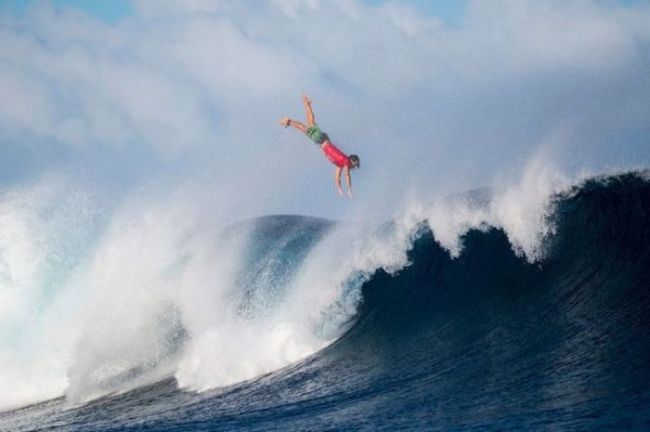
[[306, 99]]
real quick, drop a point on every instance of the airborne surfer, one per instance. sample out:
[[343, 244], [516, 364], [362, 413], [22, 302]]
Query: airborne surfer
[[343, 162]]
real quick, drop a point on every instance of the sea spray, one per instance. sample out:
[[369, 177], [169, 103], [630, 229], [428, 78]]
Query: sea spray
[[161, 288], [46, 229]]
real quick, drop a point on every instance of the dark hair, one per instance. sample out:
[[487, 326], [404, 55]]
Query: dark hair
[[355, 160]]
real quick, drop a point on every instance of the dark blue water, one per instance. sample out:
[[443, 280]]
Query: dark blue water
[[486, 341]]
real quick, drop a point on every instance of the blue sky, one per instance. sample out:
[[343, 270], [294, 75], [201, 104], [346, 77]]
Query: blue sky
[[107, 10], [451, 11], [111, 11]]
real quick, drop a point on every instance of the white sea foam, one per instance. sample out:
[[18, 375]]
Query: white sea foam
[[44, 230], [129, 296], [522, 210], [96, 305], [316, 305]]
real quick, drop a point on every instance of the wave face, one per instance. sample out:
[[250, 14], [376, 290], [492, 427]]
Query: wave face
[[482, 341]]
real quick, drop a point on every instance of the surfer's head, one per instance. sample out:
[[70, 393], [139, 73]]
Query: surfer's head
[[354, 161]]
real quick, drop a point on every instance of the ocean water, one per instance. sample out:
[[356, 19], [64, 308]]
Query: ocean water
[[466, 315]]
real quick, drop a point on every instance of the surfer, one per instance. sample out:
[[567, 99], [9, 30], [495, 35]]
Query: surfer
[[343, 162]]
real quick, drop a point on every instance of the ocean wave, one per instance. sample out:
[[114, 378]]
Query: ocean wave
[[546, 309]]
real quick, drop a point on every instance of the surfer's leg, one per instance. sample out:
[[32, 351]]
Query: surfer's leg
[[308, 110], [286, 121]]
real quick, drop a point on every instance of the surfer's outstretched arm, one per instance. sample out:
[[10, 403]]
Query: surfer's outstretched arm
[[311, 120], [348, 180], [337, 180]]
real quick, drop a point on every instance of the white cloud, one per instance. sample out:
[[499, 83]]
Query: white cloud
[[410, 21], [27, 102], [553, 34], [158, 8], [210, 79]]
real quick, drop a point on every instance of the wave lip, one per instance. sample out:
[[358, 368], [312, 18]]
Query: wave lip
[[491, 339]]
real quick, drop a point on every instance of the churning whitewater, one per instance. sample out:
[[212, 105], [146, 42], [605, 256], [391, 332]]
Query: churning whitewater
[[516, 312]]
